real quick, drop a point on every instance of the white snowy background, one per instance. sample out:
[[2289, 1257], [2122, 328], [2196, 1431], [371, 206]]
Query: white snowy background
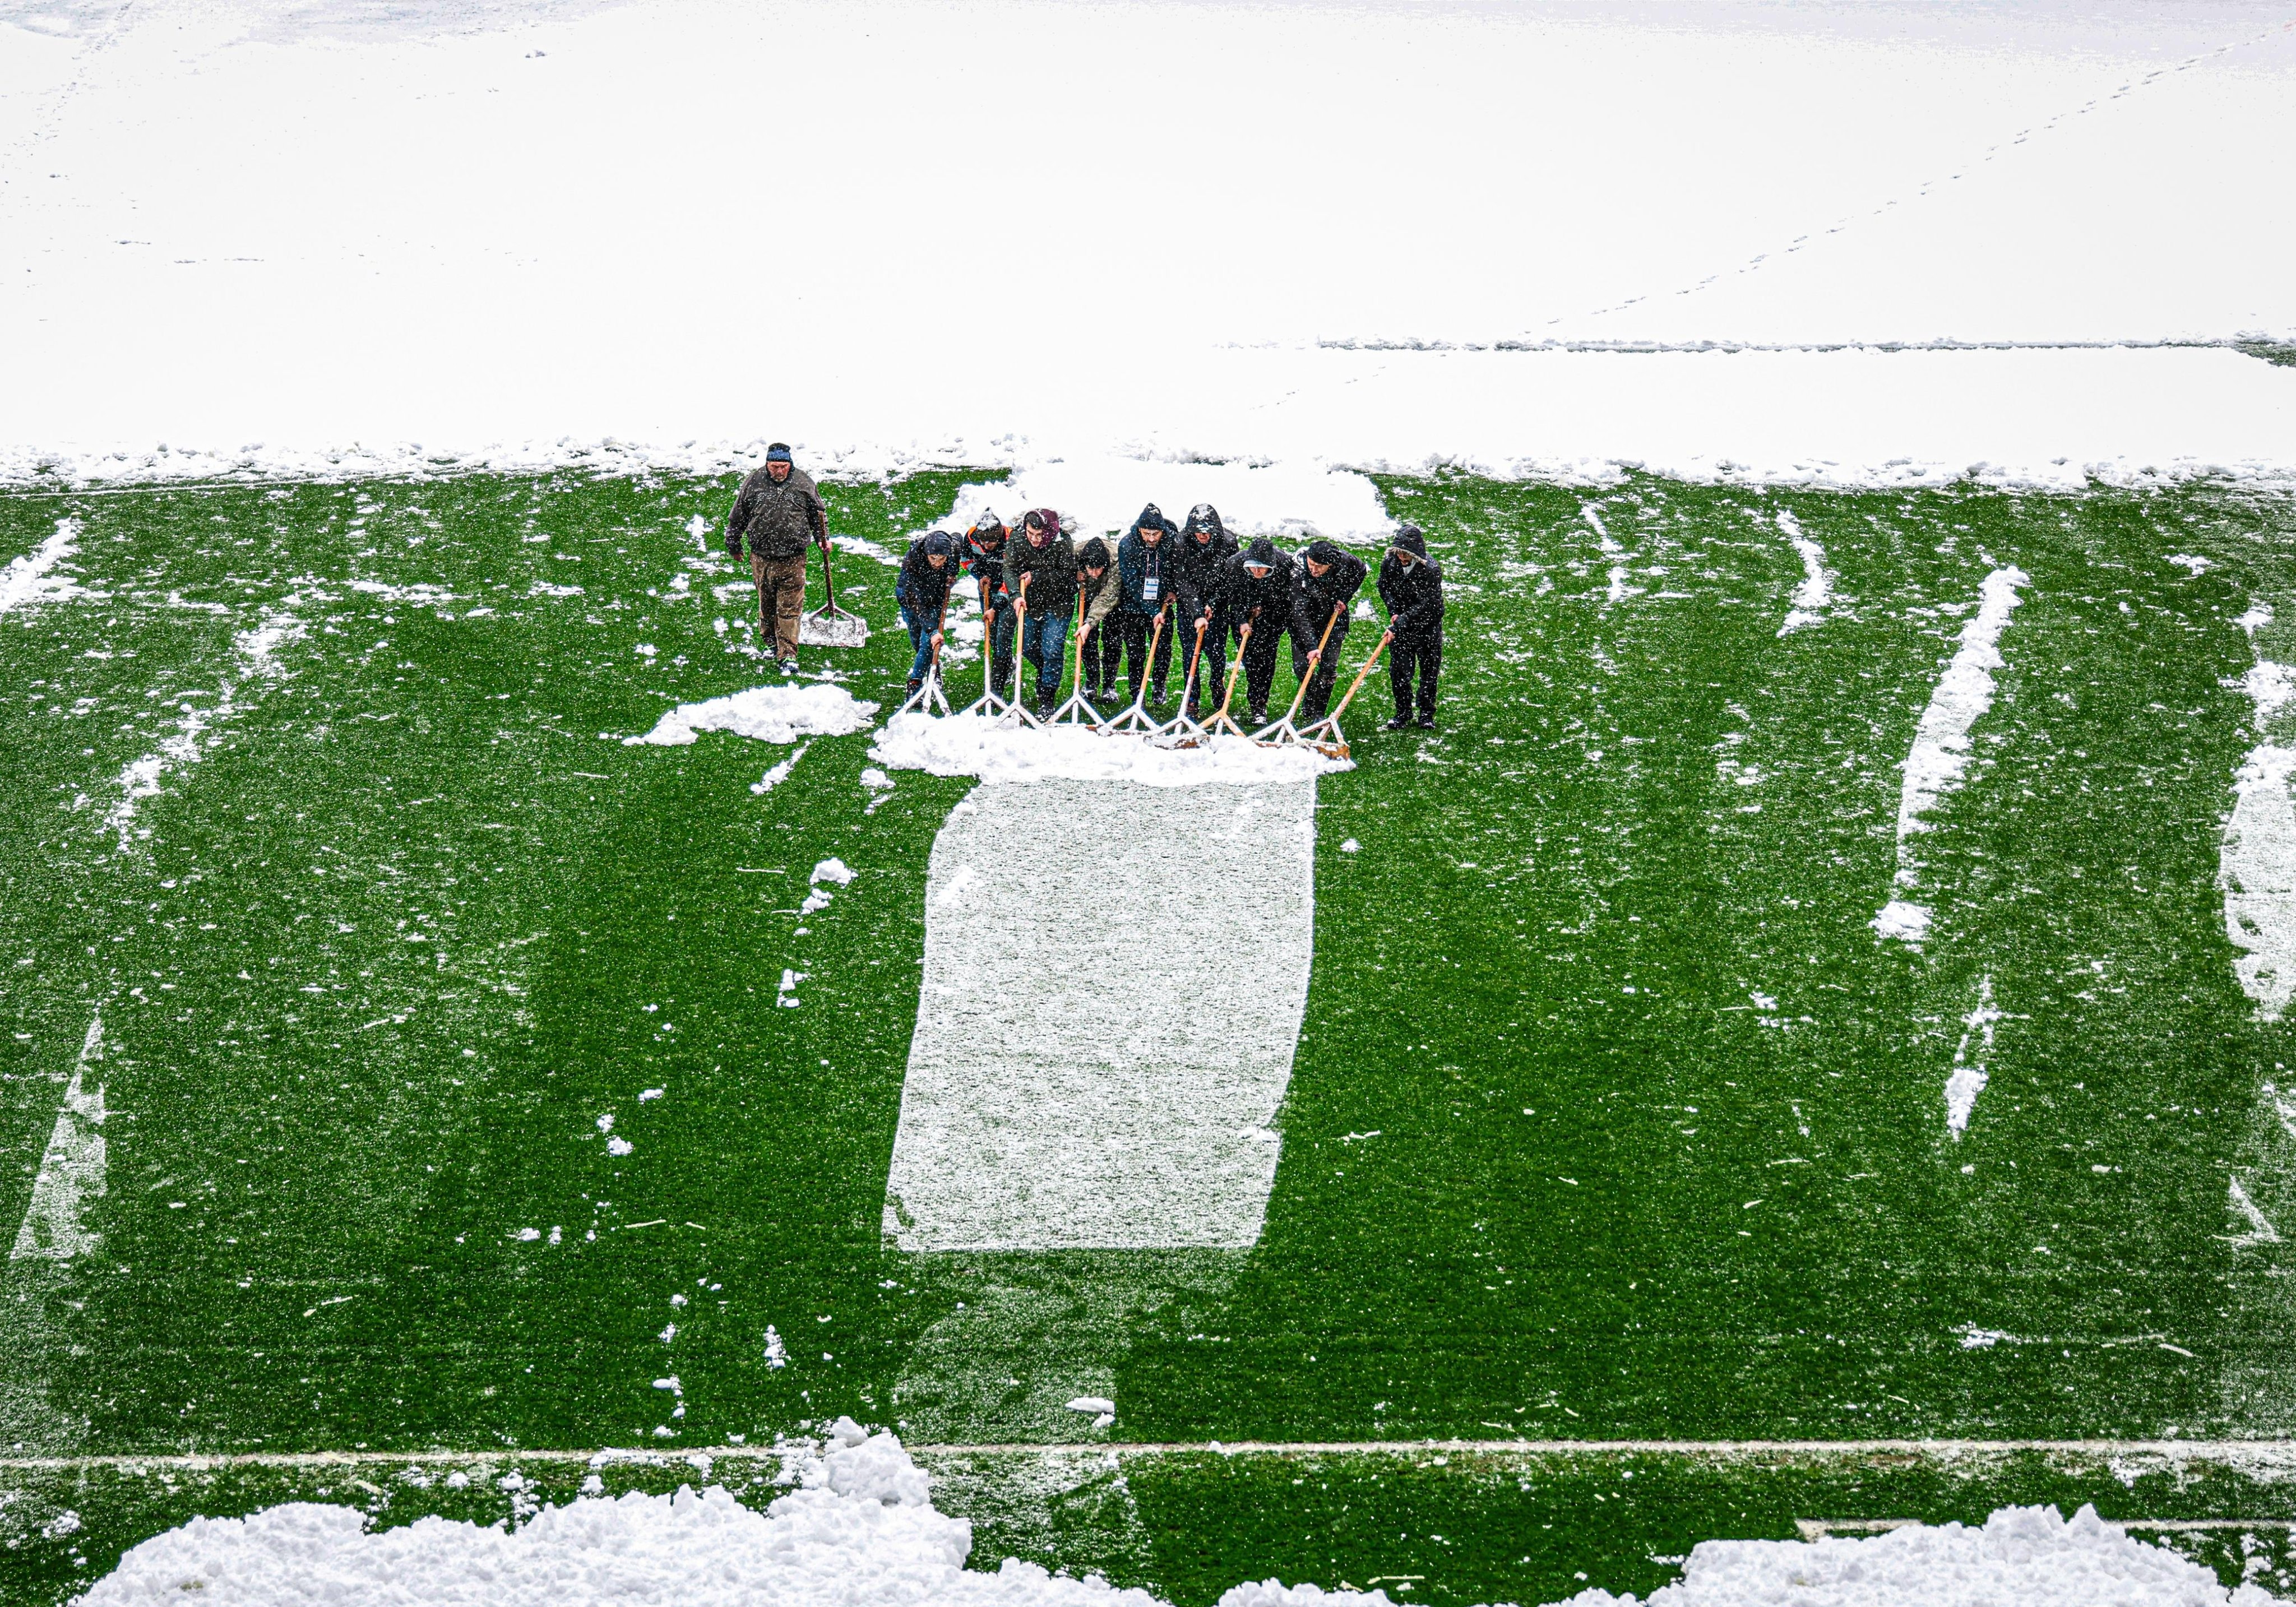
[[1022, 231]]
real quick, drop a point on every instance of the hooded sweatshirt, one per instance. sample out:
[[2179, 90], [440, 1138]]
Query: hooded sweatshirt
[[1098, 598], [921, 588], [1140, 563], [1413, 596], [1263, 602], [1053, 566], [983, 552], [1205, 546], [1313, 596]]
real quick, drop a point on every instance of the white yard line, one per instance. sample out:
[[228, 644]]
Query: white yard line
[[1816, 591], [72, 1170], [2256, 865], [1940, 755], [1107, 1019], [31, 579]]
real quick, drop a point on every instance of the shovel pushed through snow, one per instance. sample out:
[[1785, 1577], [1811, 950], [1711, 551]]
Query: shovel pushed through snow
[[830, 626]]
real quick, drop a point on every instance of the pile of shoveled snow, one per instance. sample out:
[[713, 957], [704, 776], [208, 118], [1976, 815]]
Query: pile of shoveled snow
[[861, 1530], [2024, 1557], [972, 745], [770, 714]]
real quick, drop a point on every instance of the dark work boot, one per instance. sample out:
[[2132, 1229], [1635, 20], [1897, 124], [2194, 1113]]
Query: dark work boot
[[1398, 723]]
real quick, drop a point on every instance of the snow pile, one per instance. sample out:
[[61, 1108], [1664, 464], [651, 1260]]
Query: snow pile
[[770, 714], [970, 744], [2025, 1556], [862, 1530]]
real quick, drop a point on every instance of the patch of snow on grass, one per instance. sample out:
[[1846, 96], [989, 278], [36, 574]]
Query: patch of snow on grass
[[769, 714], [972, 745], [2256, 862], [1969, 1076], [1816, 588], [1073, 1116], [780, 773], [32, 578], [72, 1170], [1940, 755]]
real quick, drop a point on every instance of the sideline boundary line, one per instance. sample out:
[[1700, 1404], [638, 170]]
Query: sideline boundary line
[[2182, 1450]]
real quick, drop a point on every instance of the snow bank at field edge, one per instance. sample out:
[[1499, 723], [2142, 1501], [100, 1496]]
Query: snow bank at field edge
[[861, 1530]]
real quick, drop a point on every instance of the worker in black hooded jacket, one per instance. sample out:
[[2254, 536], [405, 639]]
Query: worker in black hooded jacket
[[1147, 559], [921, 589], [1411, 585], [1325, 583], [982, 553], [1256, 596], [1205, 547]]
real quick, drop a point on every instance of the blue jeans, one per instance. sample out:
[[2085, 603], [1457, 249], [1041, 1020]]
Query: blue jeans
[[921, 635], [1043, 639]]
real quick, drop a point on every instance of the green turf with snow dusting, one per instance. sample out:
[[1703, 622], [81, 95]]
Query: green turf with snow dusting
[[1611, 1115]]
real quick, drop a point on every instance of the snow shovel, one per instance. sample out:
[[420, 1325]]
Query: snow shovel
[[830, 626], [1181, 731], [989, 705], [1017, 712], [1324, 736], [1223, 721], [1136, 718], [928, 695], [1283, 732], [1078, 709]]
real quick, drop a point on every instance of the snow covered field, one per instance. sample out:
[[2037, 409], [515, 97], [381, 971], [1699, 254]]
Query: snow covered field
[[1022, 231], [1244, 253]]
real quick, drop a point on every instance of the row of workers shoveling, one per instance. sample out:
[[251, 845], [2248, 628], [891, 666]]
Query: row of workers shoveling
[[1159, 611]]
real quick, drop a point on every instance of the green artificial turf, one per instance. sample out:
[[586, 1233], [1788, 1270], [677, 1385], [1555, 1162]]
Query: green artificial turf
[[1551, 1166]]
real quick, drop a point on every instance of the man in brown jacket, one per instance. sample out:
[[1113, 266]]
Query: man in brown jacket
[[775, 514]]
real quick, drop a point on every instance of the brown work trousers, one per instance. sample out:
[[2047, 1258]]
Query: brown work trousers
[[781, 601]]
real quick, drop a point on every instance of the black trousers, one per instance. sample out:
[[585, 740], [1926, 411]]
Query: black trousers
[[1104, 653], [1318, 700], [1422, 655], [1212, 664], [1131, 632], [1260, 661]]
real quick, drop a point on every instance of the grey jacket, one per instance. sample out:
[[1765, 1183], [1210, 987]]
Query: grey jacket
[[776, 520]]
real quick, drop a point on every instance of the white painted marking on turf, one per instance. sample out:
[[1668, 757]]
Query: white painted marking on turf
[[1816, 588], [72, 1170], [1940, 755], [2256, 864], [2260, 1230], [31, 579], [1107, 1018], [1969, 1076]]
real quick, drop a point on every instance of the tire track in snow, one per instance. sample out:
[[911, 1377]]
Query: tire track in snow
[[1107, 1019], [2256, 862], [1940, 755]]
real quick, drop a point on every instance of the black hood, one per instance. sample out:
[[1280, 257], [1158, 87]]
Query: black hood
[[1261, 552], [1325, 552], [1150, 514], [1410, 540], [1093, 554], [1203, 517]]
